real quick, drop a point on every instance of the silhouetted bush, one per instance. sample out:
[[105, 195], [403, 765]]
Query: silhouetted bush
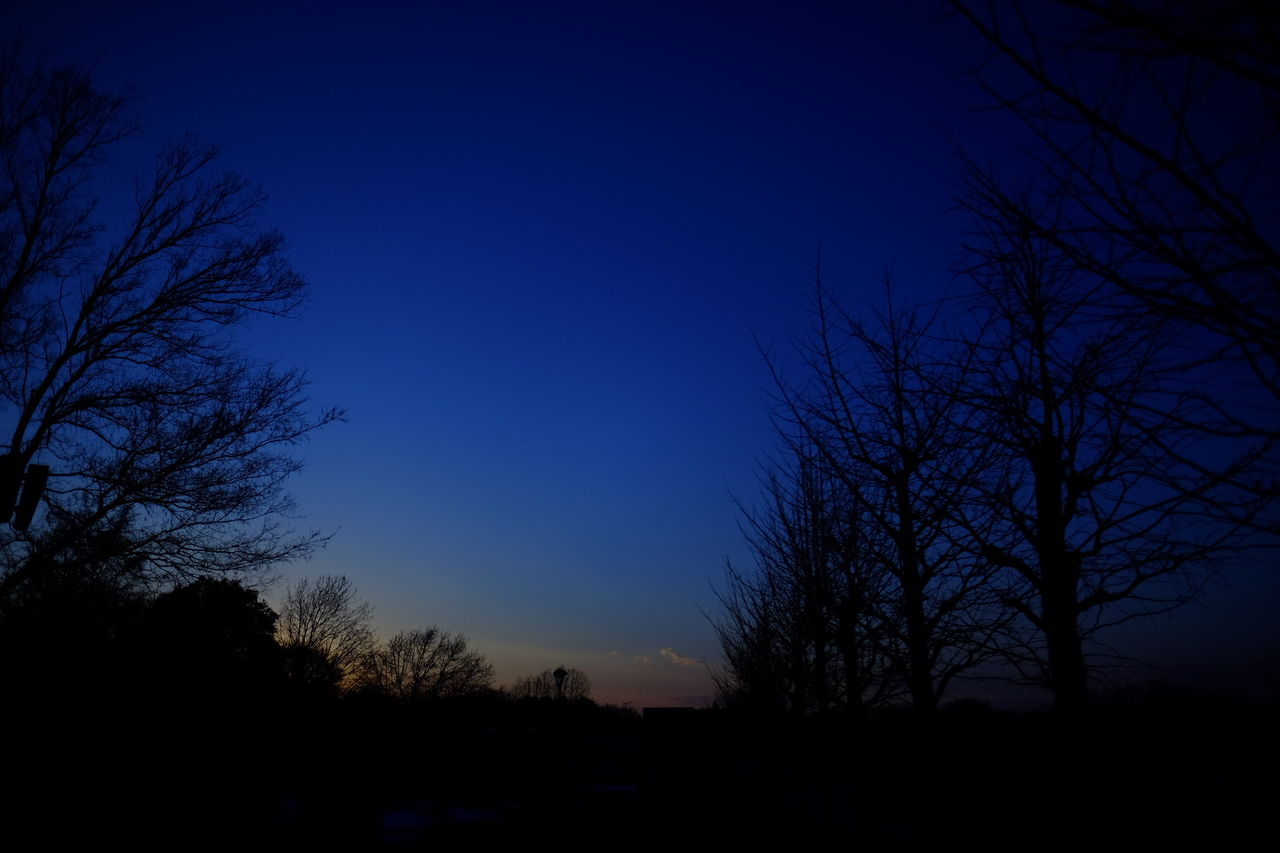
[[210, 644]]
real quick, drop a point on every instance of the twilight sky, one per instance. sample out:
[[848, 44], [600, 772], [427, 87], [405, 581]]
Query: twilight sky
[[542, 240]]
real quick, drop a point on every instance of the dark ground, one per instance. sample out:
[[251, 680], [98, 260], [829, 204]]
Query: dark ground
[[527, 777]]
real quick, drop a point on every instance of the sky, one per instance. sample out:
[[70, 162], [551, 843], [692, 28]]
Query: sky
[[547, 244]]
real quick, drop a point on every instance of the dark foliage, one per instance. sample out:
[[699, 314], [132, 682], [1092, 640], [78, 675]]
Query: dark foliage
[[211, 643]]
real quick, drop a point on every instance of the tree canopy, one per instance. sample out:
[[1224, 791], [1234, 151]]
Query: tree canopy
[[120, 367]]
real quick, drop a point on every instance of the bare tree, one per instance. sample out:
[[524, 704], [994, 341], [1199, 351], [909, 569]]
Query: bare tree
[[753, 644], [326, 617], [868, 582], [425, 663], [574, 685], [878, 409], [803, 631], [119, 366], [1156, 130], [1098, 517]]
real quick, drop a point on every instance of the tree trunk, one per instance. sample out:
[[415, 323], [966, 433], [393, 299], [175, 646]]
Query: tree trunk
[[1068, 676], [919, 673], [1059, 581]]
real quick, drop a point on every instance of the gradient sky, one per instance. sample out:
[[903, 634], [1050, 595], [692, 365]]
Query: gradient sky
[[543, 240]]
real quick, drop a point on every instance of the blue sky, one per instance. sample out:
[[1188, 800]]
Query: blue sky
[[543, 240]]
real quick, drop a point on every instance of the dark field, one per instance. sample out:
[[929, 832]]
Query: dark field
[[545, 776]]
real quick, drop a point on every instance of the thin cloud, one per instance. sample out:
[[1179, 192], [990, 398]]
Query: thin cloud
[[675, 657]]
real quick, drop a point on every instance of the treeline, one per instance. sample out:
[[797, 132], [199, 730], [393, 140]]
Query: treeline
[[1082, 433], [977, 488], [326, 636], [197, 715], [213, 643]]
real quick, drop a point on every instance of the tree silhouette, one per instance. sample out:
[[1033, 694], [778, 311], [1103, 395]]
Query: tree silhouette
[[326, 619], [882, 414], [865, 549], [118, 360], [311, 675], [68, 632], [1097, 517], [575, 685], [803, 631], [425, 663], [210, 644], [1007, 491], [1156, 133]]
